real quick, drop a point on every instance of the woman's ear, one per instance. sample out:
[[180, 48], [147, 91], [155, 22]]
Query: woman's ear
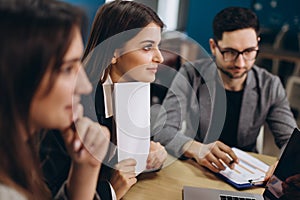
[[114, 58]]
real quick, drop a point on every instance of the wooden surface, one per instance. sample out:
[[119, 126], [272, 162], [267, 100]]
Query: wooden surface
[[168, 182]]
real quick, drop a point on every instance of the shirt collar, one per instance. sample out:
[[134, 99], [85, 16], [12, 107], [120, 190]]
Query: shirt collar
[[107, 94]]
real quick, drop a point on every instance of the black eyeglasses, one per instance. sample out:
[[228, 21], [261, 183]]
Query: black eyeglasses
[[230, 55]]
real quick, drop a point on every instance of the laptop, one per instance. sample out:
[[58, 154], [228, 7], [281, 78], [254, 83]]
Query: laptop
[[288, 165]]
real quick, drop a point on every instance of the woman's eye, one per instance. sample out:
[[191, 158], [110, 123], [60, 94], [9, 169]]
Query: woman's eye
[[147, 48], [68, 69]]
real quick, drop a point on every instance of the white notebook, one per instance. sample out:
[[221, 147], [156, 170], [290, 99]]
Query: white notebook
[[132, 115]]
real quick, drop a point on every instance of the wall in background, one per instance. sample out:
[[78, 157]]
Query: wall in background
[[201, 14], [90, 7], [271, 13], [274, 13]]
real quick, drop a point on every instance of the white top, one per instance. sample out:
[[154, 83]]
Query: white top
[[107, 94], [113, 193]]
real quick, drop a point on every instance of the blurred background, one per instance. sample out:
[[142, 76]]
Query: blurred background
[[279, 46]]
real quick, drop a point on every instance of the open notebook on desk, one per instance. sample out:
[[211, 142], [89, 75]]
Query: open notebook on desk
[[248, 172], [288, 165]]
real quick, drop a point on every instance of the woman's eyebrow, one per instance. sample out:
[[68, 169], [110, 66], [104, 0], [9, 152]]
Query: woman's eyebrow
[[71, 61], [147, 41]]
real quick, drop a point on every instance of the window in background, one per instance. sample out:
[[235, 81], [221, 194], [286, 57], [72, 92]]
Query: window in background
[[168, 11], [172, 12]]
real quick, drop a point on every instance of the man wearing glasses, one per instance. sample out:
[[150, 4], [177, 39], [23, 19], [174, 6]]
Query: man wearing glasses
[[222, 102]]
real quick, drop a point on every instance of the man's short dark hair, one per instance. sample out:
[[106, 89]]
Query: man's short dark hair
[[234, 18]]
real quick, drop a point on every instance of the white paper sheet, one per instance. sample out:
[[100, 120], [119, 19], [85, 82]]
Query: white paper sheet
[[249, 169], [132, 115]]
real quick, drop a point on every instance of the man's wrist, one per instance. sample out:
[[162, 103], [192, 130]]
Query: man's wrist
[[190, 149]]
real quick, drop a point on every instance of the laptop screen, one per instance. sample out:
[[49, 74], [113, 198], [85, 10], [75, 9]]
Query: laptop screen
[[288, 165]]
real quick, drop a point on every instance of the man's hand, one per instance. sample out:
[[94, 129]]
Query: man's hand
[[291, 187], [213, 156], [157, 156], [123, 177]]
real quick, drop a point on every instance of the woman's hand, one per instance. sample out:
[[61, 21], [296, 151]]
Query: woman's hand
[[86, 142], [157, 156], [123, 177]]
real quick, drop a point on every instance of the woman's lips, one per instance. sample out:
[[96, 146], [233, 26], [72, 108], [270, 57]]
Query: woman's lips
[[152, 69], [74, 110]]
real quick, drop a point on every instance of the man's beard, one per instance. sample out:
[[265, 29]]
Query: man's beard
[[230, 75]]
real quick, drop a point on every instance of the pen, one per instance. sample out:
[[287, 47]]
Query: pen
[[237, 171], [231, 160]]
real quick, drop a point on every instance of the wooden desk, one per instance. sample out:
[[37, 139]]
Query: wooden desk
[[168, 182]]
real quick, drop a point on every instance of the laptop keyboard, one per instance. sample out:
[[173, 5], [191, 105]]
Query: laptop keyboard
[[228, 197]]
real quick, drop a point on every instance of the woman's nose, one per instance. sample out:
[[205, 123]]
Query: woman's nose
[[83, 85], [158, 56]]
